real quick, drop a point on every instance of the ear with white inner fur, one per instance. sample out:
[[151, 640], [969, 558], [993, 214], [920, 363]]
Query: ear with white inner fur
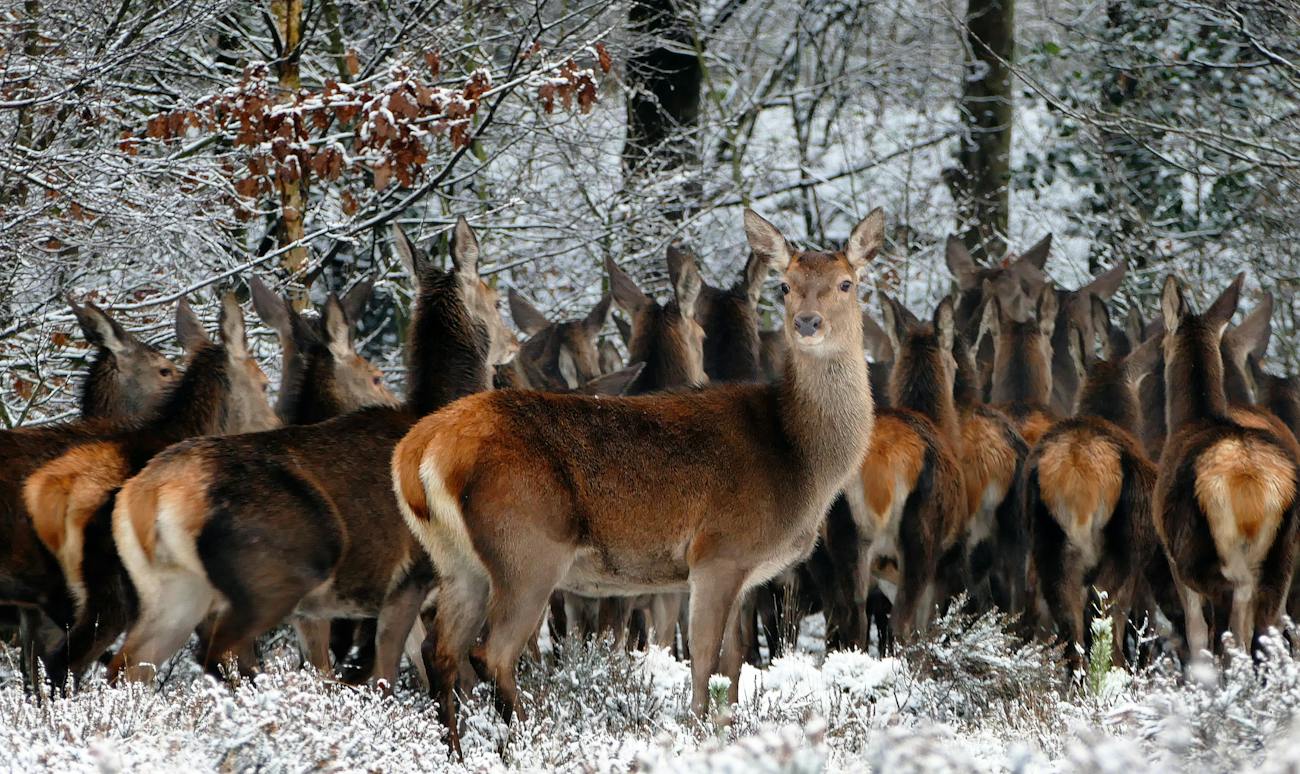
[[1047, 307], [626, 294], [878, 344], [991, 319], [767, 241], [338, 333], [960, 264], [595, 320], [945, 324], [866, 240], [231, 326], [687, 287], [271, 308], [464, 250], [526, 316], [100, 329], [189, 331], [1078, 351], [894, 324], [1172, 304], [755, 273]]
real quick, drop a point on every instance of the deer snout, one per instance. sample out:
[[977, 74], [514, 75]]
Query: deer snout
[[808, 324]]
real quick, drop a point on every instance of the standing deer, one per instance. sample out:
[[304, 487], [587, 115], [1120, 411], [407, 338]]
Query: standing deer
[[256, 527], [1074, 308], [66, 498], [1021, 383], [557, 356], [909, 499], [128, 379], [712, 491], [1088, 493], [1225, 503]]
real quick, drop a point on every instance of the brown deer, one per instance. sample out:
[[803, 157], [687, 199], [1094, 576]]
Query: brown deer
[[1088, 495], [1074, 308], [1014, 280], [1225, 503], [712, 491], [908, 501], [258, 526], [557, 356], [67, 497], [127, 380], [1021, 383]]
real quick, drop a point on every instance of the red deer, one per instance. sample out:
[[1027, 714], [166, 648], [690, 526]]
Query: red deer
[[302, 519], [66, 497], [1074, 308], [712, 491], [557, 356], [128, 379], [1013, 280], [992, 456], [1088, 495], [908, 501], [1225, 504], [1021, 383]]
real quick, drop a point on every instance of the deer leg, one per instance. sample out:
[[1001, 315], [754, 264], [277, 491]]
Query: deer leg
[[1198, 634], [462, 609], [665, 609], [29, 626], [414, 653], [512, 618], [736, 644], [394, 624], [314, 642], [714, 592], [164, 623]]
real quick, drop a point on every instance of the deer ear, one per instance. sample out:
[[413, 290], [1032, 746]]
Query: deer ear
[[598, 316], [626, 294], [960, 264], [945, 323], [101, 330], [1173, 305], [991, 319], [1134, 326], [680, 262], [334, 323], [687, 289], [1105, 285], [755, 273], [878, 343], [1036, 256], [464, 250], [1046, 310], [231, 325], [1101, 325], [525, 315], [1078, 351], [189, 331], [1252, 336], [414, 261], [611, 359], [624, 329], [1139, 363], [271, 308], [895, 324], [614, 383], [767, 241], [355, 300], [866, 240]]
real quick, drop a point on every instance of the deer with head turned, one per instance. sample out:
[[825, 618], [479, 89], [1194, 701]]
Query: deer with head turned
[[1088, 490], [1021, 384], [127, 381], [908, 500], [66, 498], [712, 491], [1225, 503], [557, 355], [302, 519]]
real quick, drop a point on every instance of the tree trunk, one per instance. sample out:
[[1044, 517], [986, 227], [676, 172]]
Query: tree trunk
[[981, 184], [288, 23], [663, 79]]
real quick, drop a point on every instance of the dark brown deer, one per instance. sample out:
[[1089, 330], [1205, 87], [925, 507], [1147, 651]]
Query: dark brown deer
[[1088, 493], [1225, 504], [1016, 281], [67, 496], [1022, 361], [908, 500], [557, 355], [256, 527], [1074, 308], [712, 491], [128, 378]]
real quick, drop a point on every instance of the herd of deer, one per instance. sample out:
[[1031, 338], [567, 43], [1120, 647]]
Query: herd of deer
[[1019, 447]]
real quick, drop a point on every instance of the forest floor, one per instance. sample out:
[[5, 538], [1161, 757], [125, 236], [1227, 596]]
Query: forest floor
[[967, 698]]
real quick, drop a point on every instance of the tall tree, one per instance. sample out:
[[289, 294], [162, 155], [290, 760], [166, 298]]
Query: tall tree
[[980, 185]]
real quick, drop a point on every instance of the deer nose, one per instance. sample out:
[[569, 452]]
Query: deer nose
[[807, 324]]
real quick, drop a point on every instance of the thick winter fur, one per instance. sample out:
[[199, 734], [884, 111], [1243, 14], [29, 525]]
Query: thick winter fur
[[1016, 281], [1088, 491], [1022, 361], [1074, 310], [715, 491], [666, 337], [302, 519], [910, 500], [1226, 492], [67, 497], [128, 378]]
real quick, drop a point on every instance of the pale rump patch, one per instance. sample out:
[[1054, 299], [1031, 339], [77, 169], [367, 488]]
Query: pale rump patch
[[1079, 478], [890, 469], [63, 495], [988, 463], [1244, 486]]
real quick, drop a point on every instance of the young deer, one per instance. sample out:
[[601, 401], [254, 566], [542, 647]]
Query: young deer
[[67, 498], [1225, 504], [1088, 495], [128, 378], [1022, 361], [714, 491], [908, 500], [256, 527]]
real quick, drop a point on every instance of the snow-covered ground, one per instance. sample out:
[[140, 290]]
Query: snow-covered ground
[[967, 699]]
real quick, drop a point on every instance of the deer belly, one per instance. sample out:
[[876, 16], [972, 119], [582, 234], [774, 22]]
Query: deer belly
[[595, 573]]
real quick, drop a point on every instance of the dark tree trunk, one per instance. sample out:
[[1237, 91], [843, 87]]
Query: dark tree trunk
[[663, 78], [981, 183]]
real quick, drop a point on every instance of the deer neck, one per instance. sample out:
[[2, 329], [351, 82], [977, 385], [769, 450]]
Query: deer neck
[[448, 349], [1193, 382], [827, 412], [1106, 394]]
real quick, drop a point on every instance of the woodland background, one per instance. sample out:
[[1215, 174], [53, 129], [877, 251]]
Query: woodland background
[[154, 148]]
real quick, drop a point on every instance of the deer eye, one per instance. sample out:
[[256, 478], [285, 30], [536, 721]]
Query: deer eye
[[378, 380], [785, 289], [165, 373], [846, 286]]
